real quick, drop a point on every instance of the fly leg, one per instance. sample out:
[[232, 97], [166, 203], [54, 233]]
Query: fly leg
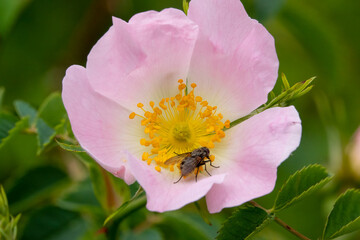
[[206, 169], [179, 179], [209, 161]]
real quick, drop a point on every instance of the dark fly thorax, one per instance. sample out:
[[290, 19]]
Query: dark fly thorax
[[193, 161], [200, 152]]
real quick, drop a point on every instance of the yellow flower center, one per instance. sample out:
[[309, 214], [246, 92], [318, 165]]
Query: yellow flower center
[[179, 124]]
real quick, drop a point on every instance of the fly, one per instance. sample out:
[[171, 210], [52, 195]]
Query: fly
[[191, 161]]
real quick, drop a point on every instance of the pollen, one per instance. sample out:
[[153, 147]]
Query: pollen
[[179, 124], [132, 115]]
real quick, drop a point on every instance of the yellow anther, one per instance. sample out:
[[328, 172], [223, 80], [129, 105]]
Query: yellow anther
[[204, 103], [147, 114], [215, 138], [157, 110], [162, 106], [182, 86], [154, 150], [145, 156], [132, 115], [151, 134], [220, 133], [176, 123], [212, 158], [210, 129], [227, 123], [145, 121], [206, 113], [198, 99], [143, 141]]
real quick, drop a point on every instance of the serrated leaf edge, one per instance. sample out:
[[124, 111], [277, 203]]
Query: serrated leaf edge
[[24, 120], [41, 148], [63, 145], [327, 220], [46, 102], [257, 229], [260, 227], [323, 181]]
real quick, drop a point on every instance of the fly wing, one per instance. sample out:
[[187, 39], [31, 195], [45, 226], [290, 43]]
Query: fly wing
[[189, 165], [176, 159]]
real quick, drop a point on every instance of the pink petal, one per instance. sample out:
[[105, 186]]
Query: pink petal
[[234, 61], [142, 60], [162, 194], [257, 147], [101, 126]]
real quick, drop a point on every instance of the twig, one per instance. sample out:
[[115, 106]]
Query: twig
[[290, 229], [281, 222]]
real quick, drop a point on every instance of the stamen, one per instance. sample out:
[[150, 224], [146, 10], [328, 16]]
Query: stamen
[[132, 115], [179, 124]]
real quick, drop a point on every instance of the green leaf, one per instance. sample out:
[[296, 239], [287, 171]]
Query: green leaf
[[148, 234], [8, 224], [186, 6], [80, 198], [109, 191], [184, 226], [45, 134], [97, 179], [69, 146], [35, 186], [54, 223], [285, 81], [52, 110], [136, 202], [244, 223], [2, 91], [24, 63], [345, 216], [9, 11], [204, 213], [301, 184], [10, 126], [24, 109]]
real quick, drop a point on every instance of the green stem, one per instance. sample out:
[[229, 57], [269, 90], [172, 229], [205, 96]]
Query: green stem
[[290, 229], [133, 207], [281, 222]]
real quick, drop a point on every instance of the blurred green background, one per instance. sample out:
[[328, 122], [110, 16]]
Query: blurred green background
[[39, 39]]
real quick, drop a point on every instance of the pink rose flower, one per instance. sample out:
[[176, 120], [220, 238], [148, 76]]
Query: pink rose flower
[[131, 111], [354, 154]]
